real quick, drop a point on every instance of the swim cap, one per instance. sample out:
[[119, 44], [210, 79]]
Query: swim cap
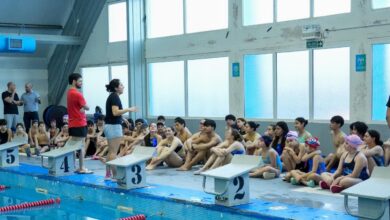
[[353, 140], [292, 136], [313, 142]]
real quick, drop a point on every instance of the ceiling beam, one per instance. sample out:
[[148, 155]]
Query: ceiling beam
[[31, 26], [50, 39]]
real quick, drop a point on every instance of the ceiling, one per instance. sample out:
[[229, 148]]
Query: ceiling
[[43, 17]]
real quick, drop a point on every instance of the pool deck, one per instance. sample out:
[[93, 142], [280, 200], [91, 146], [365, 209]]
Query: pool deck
[[268, 197]]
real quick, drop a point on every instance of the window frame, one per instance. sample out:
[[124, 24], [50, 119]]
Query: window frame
[[108, 21], [185, 60], [369, 66], [109, 67], [311, 79]]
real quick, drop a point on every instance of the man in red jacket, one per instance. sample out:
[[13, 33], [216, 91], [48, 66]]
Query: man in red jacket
[[77, 118]]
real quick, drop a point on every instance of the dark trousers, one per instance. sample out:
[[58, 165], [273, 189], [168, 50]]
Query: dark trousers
[[28, 117]]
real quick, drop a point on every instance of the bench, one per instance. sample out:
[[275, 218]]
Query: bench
[[9, 153], [373, 195], [62, 161], [130, 169], [231, 181]]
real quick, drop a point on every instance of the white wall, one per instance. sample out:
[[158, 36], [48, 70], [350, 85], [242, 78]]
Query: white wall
[[38, 77], [98, 52], [357, 30]]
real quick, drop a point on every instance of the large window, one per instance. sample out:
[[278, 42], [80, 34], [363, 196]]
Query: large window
[[165, 18], [259, 87], [291, 10], [94, 87], [166, 89], [331, 83], [317, 93], [208, 87], [117, 22], [206, 15], [121, 73], [258, 11], [205, 80], [380, 4], [293, 85], [380, 80], [331, 7]]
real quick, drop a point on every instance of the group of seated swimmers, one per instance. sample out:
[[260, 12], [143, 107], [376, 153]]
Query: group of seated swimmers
[[297, 153], [39, 139]]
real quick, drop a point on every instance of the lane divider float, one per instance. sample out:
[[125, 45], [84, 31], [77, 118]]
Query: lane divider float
[[30, 204], [135, 217]]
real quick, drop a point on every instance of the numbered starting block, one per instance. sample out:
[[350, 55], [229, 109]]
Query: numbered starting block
[[130, 169], [373, 196], [9, 153], [231, 182], [62, 161]]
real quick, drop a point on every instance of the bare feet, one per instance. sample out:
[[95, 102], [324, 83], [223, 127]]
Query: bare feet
[[183, 168]]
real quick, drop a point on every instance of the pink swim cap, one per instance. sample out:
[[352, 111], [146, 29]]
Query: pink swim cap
[[353, 140]]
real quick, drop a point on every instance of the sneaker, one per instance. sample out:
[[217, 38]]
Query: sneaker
[[336, 189], [293, 181], [324, 185], [311, 183], [268, 175]]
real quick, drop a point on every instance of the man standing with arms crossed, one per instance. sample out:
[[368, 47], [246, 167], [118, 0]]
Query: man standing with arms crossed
[[77, 118], [30, 100], [11, 103]]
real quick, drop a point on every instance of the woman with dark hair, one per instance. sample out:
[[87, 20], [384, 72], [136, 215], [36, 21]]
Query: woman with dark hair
[[373, 149], [272, 166], [113, 121], [21, 135], [170, 150], [241, 125], [279, 141], [98, 112], [359, 128], [300, 124], [352, 168], [251, 137], [270, 131], [223, 153]]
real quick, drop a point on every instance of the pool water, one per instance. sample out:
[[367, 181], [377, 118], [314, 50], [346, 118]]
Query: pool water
[[90, 197], [68, 208]]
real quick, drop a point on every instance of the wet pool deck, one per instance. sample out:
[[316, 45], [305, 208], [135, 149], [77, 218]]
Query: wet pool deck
[[275, 197]]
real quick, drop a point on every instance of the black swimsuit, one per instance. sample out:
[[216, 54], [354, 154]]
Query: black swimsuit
[[3, 137]]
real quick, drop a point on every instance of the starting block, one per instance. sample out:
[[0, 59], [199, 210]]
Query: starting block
[[9, 153], [130, 169], [62, 161], [373, 195], [231, 182]]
